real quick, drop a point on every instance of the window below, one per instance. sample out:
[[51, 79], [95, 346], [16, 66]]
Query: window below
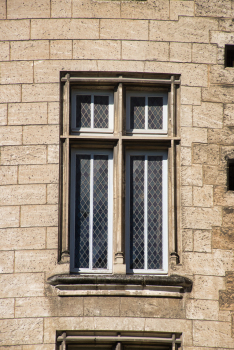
[[118, 151], [119, 341], [229, 55]]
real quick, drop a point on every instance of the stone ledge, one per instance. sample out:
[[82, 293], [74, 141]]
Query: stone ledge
[[121, 285]]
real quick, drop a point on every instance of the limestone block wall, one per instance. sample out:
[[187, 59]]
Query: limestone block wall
[[40, 38]]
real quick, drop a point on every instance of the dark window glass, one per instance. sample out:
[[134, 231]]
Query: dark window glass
[[229, 55], [231, 176]]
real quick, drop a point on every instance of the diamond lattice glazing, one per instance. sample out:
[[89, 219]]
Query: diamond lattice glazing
[[154, 212], [155, 112], [101, 112], [100, 211], [82, 206], [137, 212], [137, 113], [83, 111]]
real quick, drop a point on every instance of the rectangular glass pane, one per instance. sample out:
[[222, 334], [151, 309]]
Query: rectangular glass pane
[[137, 212], [137, 113], [155, 215], [155, 112], [82, 211], [101, 112], [83, 111], [100, 211]]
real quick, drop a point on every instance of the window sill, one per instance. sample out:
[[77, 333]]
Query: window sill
[[121, 285]]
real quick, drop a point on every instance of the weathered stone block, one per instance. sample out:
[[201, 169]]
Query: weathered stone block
[[53, 113], [47, 173], [221, 38], [223, 94], [127, 66], [180, 52], [190, 95], [23, 194], [224, 136], [15, 30], [27, 9], [190, 135], [145, 50], [213, 8], [206, 154], [213, 175], [4, 48], [96, 49], [39, 215], [222, 238], [3, 12], [23, 238], [8, 175], [23, 331], [203, 196], [94, 9], [45, 134], [52, 194], [187, 240], [22, 285], [3, 114], [52, 238], [201, 218], [145, 10], [101, 306], [191, 175], [186, 29], [181, 8], [124, 29], [144, 307], [215, 264], [35, 260], [220, 75], [9, 216], [37, 347], [6, 263], [61, 49], [202, 241], [222, 196], [53, 154], [7, 308], [16, 72], [202, 309], [186, 117], [208, 115], [186, 196], [213, 334], [48, 70], [46, 307], [61, 8], [228, 119], [207, 287], [27, 113], [40, 92], [228, 216], [186, 156], [14, 155], [204, 53], [10, 135], [30, 50], [226, 300], [65, 29], [10, 93]]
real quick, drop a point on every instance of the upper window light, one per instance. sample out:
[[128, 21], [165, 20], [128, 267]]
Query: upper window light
[[92, 111], [147, 113]]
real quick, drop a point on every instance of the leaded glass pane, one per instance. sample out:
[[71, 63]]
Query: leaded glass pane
[[82, 211], [155, 212], [137, 212], [100, 211], [155, 112], [101, 112], [83, 111], [137, 113]]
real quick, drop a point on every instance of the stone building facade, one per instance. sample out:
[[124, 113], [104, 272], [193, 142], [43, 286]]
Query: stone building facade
[[49, 49]]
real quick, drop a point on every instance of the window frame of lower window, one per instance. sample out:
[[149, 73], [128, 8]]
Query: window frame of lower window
[[120, 141]]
